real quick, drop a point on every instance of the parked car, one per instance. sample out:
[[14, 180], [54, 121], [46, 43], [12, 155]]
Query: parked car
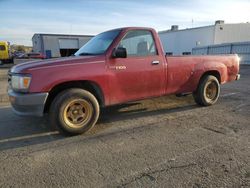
[[17, 54], [114, 67], [32, 55]]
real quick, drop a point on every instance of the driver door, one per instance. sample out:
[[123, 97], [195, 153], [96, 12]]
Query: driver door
[[139, 75]]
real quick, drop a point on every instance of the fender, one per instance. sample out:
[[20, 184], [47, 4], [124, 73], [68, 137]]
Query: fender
[[216, 68]]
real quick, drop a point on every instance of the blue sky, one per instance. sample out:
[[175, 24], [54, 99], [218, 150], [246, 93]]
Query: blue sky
[[20, 19]]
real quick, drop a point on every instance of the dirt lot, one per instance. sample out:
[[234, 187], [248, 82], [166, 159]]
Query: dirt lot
[[4, 83], [163, 142]]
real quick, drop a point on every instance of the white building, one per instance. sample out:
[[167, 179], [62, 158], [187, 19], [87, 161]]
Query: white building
[[181, 42], [58, 45]]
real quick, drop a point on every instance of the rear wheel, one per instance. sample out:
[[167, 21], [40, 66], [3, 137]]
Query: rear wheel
[[74, 111], [208, 91]]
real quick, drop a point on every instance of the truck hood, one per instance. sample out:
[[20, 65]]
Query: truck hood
[[37, 64]]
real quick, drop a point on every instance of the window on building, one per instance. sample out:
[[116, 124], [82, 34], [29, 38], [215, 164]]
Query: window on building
[[169, 53], [139, 43], [186, 53]]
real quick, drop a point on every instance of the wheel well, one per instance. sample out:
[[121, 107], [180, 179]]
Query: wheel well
[[213, 73], [87, 85]]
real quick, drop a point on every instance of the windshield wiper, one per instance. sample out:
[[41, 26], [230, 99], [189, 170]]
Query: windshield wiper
[[85, 53]]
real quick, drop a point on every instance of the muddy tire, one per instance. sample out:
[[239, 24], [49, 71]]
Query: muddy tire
[[208, 91], [74, 111]]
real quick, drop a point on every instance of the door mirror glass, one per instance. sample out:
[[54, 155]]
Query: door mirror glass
[[119, 52]]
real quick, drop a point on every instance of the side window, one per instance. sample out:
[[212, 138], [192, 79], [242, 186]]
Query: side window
[[2, 47], [139, 43]]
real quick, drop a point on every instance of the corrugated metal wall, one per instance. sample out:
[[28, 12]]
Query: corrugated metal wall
[[242, 49], [52, 43], [177, 42]]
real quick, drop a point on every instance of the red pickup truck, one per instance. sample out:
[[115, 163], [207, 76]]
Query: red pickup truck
[[116, 66]]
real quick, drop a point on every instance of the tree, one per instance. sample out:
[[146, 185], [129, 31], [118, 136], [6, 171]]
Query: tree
[[20, 48]]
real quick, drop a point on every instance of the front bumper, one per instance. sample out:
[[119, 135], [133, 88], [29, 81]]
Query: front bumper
[[26, 104]]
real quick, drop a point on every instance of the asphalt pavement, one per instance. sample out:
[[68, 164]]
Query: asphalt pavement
[[161, 142]]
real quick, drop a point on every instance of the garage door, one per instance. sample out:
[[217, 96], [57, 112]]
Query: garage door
[[68, 44]]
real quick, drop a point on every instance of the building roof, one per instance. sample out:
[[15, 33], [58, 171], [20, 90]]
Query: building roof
[[170, 31], [63, 35], [72, 35], [188, 29]]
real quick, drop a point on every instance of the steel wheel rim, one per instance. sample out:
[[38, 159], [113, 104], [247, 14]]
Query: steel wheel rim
[[211, 90], [77, 113]]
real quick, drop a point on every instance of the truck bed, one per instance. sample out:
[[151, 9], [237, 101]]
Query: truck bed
[[184, 72]]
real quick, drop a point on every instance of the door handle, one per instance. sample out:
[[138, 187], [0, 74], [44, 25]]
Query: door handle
[[155, 62]]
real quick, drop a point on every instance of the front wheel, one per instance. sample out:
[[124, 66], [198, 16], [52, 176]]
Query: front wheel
[[208, 91], [74, 111]]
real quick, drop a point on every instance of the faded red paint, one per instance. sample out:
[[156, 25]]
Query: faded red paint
[[140, 79]]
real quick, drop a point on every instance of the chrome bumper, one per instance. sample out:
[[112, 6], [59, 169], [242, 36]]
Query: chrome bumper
[[28, 104]]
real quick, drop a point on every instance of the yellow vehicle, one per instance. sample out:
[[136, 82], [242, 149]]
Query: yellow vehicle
[[5, 54]]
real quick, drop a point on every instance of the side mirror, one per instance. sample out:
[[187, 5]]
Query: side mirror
[[119, 53]]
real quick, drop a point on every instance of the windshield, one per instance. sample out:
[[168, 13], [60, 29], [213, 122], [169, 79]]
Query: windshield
[[2, 47], [98, 44]]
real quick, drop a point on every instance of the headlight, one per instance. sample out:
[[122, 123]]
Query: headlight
[[20, 82]]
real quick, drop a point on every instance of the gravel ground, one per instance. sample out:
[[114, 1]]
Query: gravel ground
[[162, 142]]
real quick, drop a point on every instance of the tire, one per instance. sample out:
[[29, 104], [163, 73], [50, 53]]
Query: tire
[[208, 91], [74, 111]]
